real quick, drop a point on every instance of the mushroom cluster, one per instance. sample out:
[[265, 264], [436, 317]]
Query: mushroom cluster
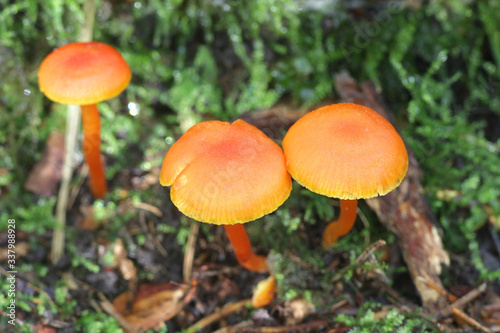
[[229, 174], [232, 173]]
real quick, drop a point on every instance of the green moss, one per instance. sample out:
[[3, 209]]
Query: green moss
[[394, 321], [97, 322]]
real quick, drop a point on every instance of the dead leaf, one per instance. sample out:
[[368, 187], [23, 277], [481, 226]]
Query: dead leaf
[[125, 265], [21, 250], [153, 304], [46, 174]]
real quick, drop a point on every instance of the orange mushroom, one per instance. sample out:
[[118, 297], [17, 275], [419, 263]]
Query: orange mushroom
[[227, 174], [85, 74], [345, 151]]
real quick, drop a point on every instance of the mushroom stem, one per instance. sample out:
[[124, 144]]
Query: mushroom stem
[[345, 222], [91, 149], [243, 249]]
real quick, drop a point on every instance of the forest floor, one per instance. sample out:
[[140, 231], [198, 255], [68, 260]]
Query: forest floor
[[197, 285]]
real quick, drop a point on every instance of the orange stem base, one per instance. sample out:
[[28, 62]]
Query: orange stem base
[[91, 149], [345, 222], [243, 249]]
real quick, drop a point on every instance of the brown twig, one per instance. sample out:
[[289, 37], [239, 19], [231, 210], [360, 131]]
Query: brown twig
[[187, 268], [306, 327], [438, 288], [469, 320], [337, 305], [363, 257], [217, 315], [458, 302], [295, 258], [76, 188], [150, 208], [465, 299], [156, 242]]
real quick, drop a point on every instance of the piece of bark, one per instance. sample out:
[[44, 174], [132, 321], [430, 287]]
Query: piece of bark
[[405, 211], [46, 174]]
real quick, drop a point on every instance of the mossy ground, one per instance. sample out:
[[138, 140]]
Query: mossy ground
[[436, 65]]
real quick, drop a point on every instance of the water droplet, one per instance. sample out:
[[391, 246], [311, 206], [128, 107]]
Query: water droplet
[[146, 166], [133, 109], [169, 140], [27, 92], [137, 4], [176, 73]]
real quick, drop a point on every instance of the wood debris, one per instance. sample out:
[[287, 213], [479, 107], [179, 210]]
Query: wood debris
[[405, 211], [46, 174]]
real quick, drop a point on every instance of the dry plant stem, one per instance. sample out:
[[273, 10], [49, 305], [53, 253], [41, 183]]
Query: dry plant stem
[[91, 149], [472, 322], [187, 268], [72, 123], [343, 225], [243, 249], [217, 315]]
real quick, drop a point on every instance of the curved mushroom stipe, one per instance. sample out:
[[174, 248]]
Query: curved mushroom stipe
[[243, 249], [336, 229]]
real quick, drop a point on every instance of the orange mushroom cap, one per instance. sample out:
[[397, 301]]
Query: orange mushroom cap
[[83, 73], [346, 151], [225, 173]]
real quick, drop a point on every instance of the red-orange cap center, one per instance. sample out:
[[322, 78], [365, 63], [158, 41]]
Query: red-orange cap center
[[225, 173], [83, 73], [346, 151]]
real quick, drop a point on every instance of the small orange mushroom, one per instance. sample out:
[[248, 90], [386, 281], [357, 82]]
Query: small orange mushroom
[[345, 151], [85, 74], [227, 174]]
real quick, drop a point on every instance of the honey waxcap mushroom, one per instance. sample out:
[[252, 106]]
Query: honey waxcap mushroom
[[345, 151], [83, 73], [224, 173]]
